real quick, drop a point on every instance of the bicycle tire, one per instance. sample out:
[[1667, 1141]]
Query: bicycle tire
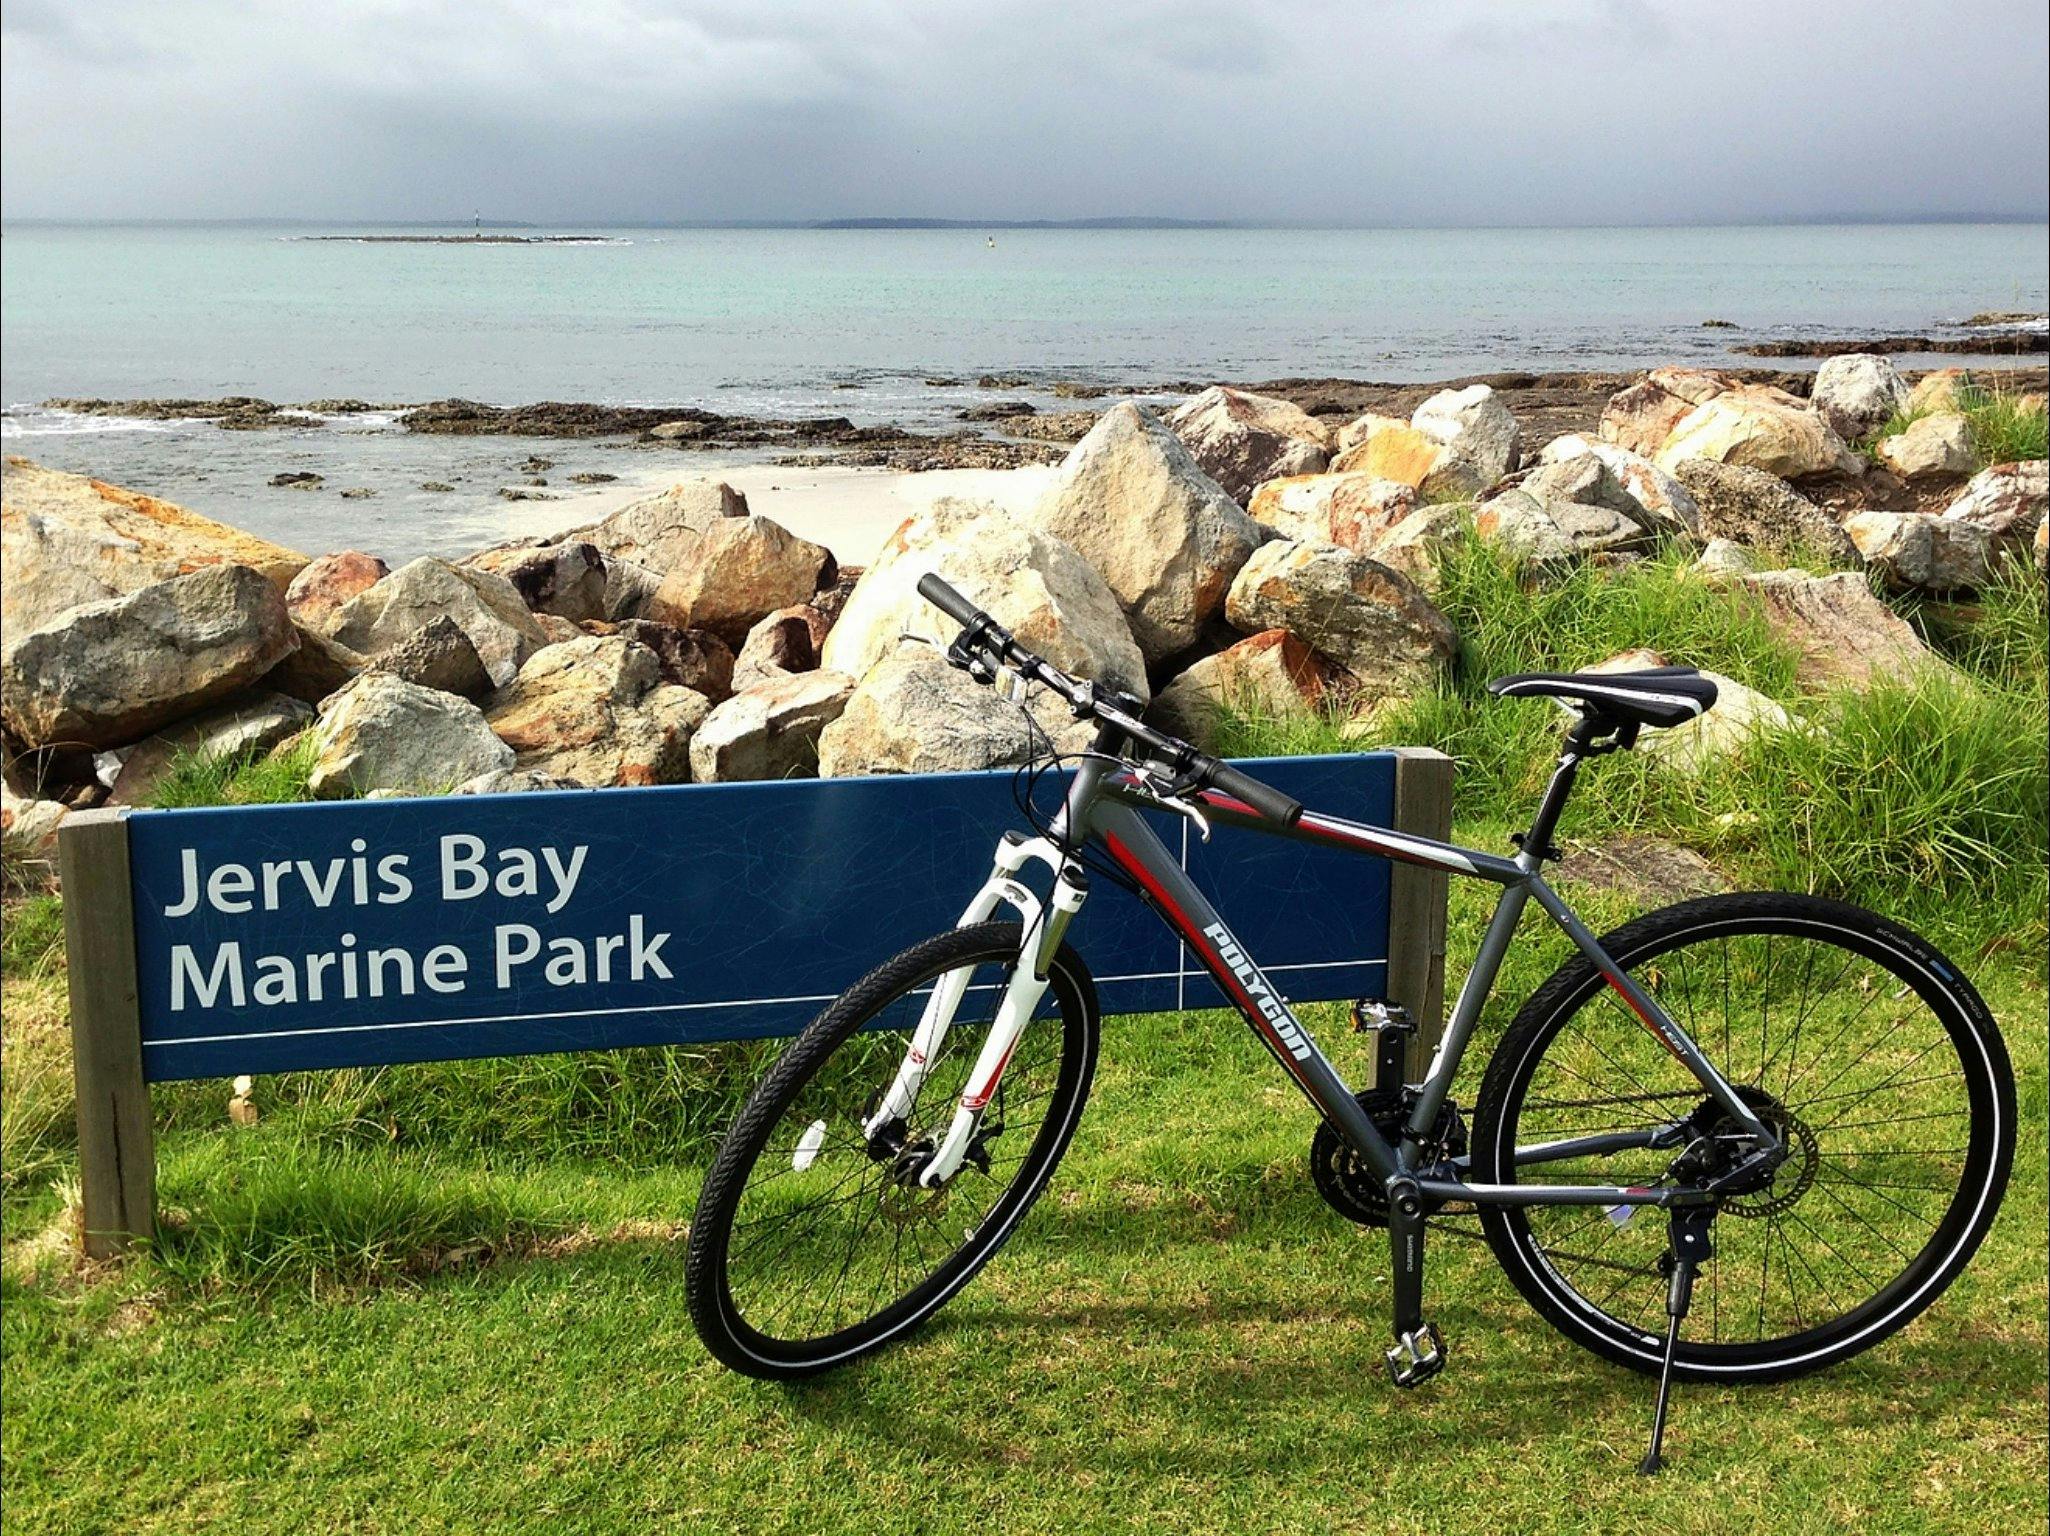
[[1985, 1086], [730, 1337]]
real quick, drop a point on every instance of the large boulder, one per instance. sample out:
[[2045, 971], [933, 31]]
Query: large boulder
[[1241, 440], [67, 540], [738, 573], [319, 667], [1555, 531], [568, 579], [784, 643], [1166, 537], [1457, 445], [1269, 675], [1369, 619], [1032, 583], [485, 605], [1360, 428], [1667, 505], [111, 672], [1843, 634], [1641, 417], [912, 713], [1945, 389], [382, 732], [1571, 507], [1760, 510], [1932, 448], [1585, 480], [1417, 546], [1476, 429], [1352, 511], [596, 711], [1387, 449], [441, 655], [2007, 500], [770, 730], [228, 731], [637, 546], [1858, 392], [691, 658], [1920, 551], [317, 593], [657, 531], [1757, 427]]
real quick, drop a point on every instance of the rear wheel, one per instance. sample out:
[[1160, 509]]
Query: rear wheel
[[813, 1242], [1871, 1057]]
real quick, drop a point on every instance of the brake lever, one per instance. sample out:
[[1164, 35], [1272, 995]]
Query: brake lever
[[966, 658], [1167, 795]]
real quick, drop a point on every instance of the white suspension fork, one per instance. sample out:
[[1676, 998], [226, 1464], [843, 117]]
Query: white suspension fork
[[1043, 929]]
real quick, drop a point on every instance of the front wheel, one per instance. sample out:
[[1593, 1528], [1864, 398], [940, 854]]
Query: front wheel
[[1873, 1059], [814, 1242]]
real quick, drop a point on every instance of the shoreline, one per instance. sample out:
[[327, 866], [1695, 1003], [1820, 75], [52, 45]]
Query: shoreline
[[441, 477]]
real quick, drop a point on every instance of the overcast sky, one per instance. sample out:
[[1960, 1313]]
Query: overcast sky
[[1342, 111]]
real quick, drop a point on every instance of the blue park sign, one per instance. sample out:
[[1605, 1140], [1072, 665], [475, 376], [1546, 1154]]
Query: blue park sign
[[276, 938]]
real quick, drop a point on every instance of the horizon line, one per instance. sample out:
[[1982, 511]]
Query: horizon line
[[1109, 223]]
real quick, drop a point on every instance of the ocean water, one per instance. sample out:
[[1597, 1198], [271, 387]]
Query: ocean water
[[856, 323]]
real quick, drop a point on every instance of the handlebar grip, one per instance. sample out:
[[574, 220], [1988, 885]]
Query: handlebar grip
[[943, 597], [1265, 799]]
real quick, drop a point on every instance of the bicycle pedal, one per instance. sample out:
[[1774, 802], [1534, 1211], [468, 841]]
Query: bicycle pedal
[[1414, 1358]]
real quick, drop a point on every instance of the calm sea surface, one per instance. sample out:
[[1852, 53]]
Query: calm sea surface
[[855, 323]]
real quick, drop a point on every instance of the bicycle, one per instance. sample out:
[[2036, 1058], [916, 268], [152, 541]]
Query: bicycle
[[1828, 1174]]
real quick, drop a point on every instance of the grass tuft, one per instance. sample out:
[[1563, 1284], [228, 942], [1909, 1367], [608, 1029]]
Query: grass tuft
[[1925, 801], [205, 778], [2003, 427]]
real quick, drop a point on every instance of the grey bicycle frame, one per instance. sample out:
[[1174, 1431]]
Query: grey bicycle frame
[[1104, 801]]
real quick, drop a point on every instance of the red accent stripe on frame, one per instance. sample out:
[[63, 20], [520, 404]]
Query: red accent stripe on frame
[[1644, 1018], [1213, 962]]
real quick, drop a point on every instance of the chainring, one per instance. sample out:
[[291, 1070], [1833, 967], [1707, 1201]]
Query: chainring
[[1348, 1184]]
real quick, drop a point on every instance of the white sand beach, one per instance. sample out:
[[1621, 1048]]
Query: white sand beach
[[850, 511]]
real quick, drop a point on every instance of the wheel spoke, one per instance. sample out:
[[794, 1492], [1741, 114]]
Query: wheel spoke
[[1865, 1065], [822, 1237]]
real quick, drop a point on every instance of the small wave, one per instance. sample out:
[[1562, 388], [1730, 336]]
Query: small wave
[[48, 423]]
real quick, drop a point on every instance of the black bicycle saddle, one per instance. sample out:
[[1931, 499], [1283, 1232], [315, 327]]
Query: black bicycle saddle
[[1657, 696]]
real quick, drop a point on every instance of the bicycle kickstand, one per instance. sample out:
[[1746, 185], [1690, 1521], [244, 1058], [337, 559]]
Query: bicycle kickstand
[[1688, 1245], [1418, 1353]]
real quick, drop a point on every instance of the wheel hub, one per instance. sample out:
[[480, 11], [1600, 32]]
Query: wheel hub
[[1720, 1143]]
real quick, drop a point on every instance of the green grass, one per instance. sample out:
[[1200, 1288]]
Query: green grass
[[422, 1337], [1927, 799], [2002, 429], [204, 778], [449, 1296]]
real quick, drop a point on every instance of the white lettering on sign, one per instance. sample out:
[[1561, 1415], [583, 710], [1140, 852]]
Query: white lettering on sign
[[339, 968], [469, 868], [233, 888], [463, 874], [517, 945]]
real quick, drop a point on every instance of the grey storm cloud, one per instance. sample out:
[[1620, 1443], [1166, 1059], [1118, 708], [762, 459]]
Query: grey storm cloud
[[1333, 111]]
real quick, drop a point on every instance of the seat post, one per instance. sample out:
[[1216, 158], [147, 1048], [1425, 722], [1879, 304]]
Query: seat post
[[1537, 842]]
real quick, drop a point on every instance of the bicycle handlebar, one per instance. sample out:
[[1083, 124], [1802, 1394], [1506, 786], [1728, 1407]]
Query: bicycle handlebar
[[1087, 700]]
